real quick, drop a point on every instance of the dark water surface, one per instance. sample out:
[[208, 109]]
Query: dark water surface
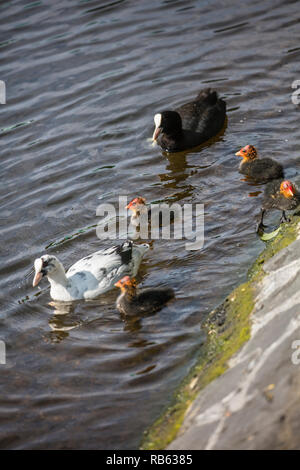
[[84, 79]]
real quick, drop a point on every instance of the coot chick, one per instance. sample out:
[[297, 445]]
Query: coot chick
[[149, 300], [280, 195], [259, 169], [192, 124], [138, 207]]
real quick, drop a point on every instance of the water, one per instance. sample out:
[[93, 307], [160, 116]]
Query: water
[[84, 79]]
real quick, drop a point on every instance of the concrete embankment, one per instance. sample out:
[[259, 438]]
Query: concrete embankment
[[244, 391]]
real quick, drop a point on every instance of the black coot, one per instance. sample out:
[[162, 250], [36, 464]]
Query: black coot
[[191, 124]]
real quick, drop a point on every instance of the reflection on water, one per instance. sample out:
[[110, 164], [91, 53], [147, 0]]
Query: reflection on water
[[84, 80], [63, 320], [179, 170]]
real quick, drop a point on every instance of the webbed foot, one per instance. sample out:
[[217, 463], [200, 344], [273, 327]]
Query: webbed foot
[[284, 218], [260, 228]]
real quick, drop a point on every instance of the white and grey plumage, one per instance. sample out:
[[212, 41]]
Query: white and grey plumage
[[91, 276]]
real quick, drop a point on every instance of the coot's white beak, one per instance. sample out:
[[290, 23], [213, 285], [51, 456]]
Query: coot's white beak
[[38, 266], [157, 122]]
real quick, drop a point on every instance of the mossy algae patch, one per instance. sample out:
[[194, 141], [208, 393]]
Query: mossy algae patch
[[227, 328], [285, 237]]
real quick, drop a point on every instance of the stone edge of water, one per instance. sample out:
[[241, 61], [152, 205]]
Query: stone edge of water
[[227, 328]]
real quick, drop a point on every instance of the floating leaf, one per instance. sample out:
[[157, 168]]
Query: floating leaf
[[267, 236]]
